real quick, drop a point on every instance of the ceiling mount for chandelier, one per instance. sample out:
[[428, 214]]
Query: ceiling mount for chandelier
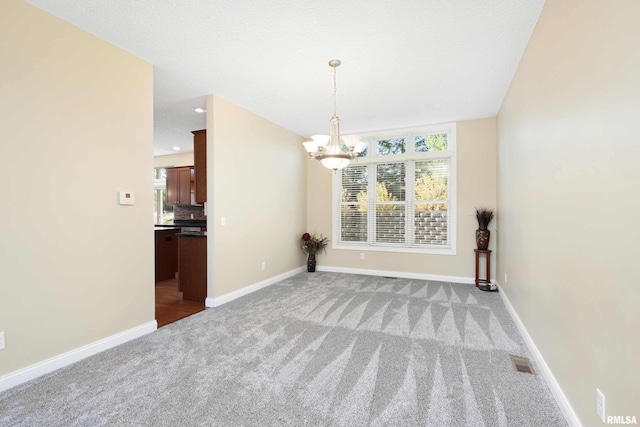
[[328, 148]]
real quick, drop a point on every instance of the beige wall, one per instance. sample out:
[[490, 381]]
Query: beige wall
[[476, 185], [76, 117], [569, 180], [173, 160], [256, 180]]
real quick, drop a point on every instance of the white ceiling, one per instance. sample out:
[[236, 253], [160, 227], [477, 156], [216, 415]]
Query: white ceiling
[[404, 62]]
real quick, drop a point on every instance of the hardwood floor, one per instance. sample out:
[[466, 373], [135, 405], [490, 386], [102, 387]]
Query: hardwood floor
[[170, 306]]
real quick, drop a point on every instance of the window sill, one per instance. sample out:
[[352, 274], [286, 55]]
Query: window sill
[[359, 246]]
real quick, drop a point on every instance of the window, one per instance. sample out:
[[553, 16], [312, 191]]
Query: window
[[162, 213], [400, 195]]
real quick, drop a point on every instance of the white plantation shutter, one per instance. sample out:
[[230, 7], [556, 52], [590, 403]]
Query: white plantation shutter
[[431, 203], [354, 204], [390, 203]]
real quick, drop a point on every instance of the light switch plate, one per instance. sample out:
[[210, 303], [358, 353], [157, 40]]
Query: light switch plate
[[127, 198], [1, 340]]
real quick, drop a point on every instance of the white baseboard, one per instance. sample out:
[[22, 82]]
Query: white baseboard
[[556, 390], [218, 301], [404, 275], [30, 372]]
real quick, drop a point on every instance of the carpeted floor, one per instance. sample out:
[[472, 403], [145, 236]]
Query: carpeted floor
[[321, 349]]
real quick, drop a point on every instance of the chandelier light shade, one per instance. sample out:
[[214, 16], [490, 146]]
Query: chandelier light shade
[[328, 148]]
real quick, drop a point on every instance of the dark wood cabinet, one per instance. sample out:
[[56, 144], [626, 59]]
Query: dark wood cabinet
[[166, 254], [200, 164], [192, 267], [179, 186]]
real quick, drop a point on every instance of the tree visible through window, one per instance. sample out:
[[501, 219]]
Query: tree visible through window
[[425, 143], [386, 147]]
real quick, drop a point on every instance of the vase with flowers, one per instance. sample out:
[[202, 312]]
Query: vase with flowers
[[311, 245], [484, 217]]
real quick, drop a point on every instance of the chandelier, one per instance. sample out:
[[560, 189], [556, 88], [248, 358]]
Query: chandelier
[[328, 148]]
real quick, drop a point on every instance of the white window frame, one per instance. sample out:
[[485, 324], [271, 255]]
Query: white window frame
[[410, 154], [159, 185]]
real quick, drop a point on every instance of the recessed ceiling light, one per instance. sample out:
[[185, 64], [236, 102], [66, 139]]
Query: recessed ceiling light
[[176, 148], [199, 110]]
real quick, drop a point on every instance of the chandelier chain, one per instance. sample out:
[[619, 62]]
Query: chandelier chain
[[335, 91]]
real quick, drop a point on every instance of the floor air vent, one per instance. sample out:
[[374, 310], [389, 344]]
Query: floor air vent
[[522, 364]]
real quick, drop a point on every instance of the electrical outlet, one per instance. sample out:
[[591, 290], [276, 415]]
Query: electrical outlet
[[600, 404], [223, 221], [264, 265], [361, 255], [1, 340], [191, 216], [505, 277]]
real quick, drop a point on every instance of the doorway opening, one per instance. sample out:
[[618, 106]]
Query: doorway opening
[[170, 307]]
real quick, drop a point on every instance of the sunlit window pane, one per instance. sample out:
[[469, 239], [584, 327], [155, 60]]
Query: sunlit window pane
[[387, 147], [426, 143]]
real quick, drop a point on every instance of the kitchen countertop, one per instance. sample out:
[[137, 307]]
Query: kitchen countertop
[[166, 228], [190, 222], [184, 223], [192, 234]]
